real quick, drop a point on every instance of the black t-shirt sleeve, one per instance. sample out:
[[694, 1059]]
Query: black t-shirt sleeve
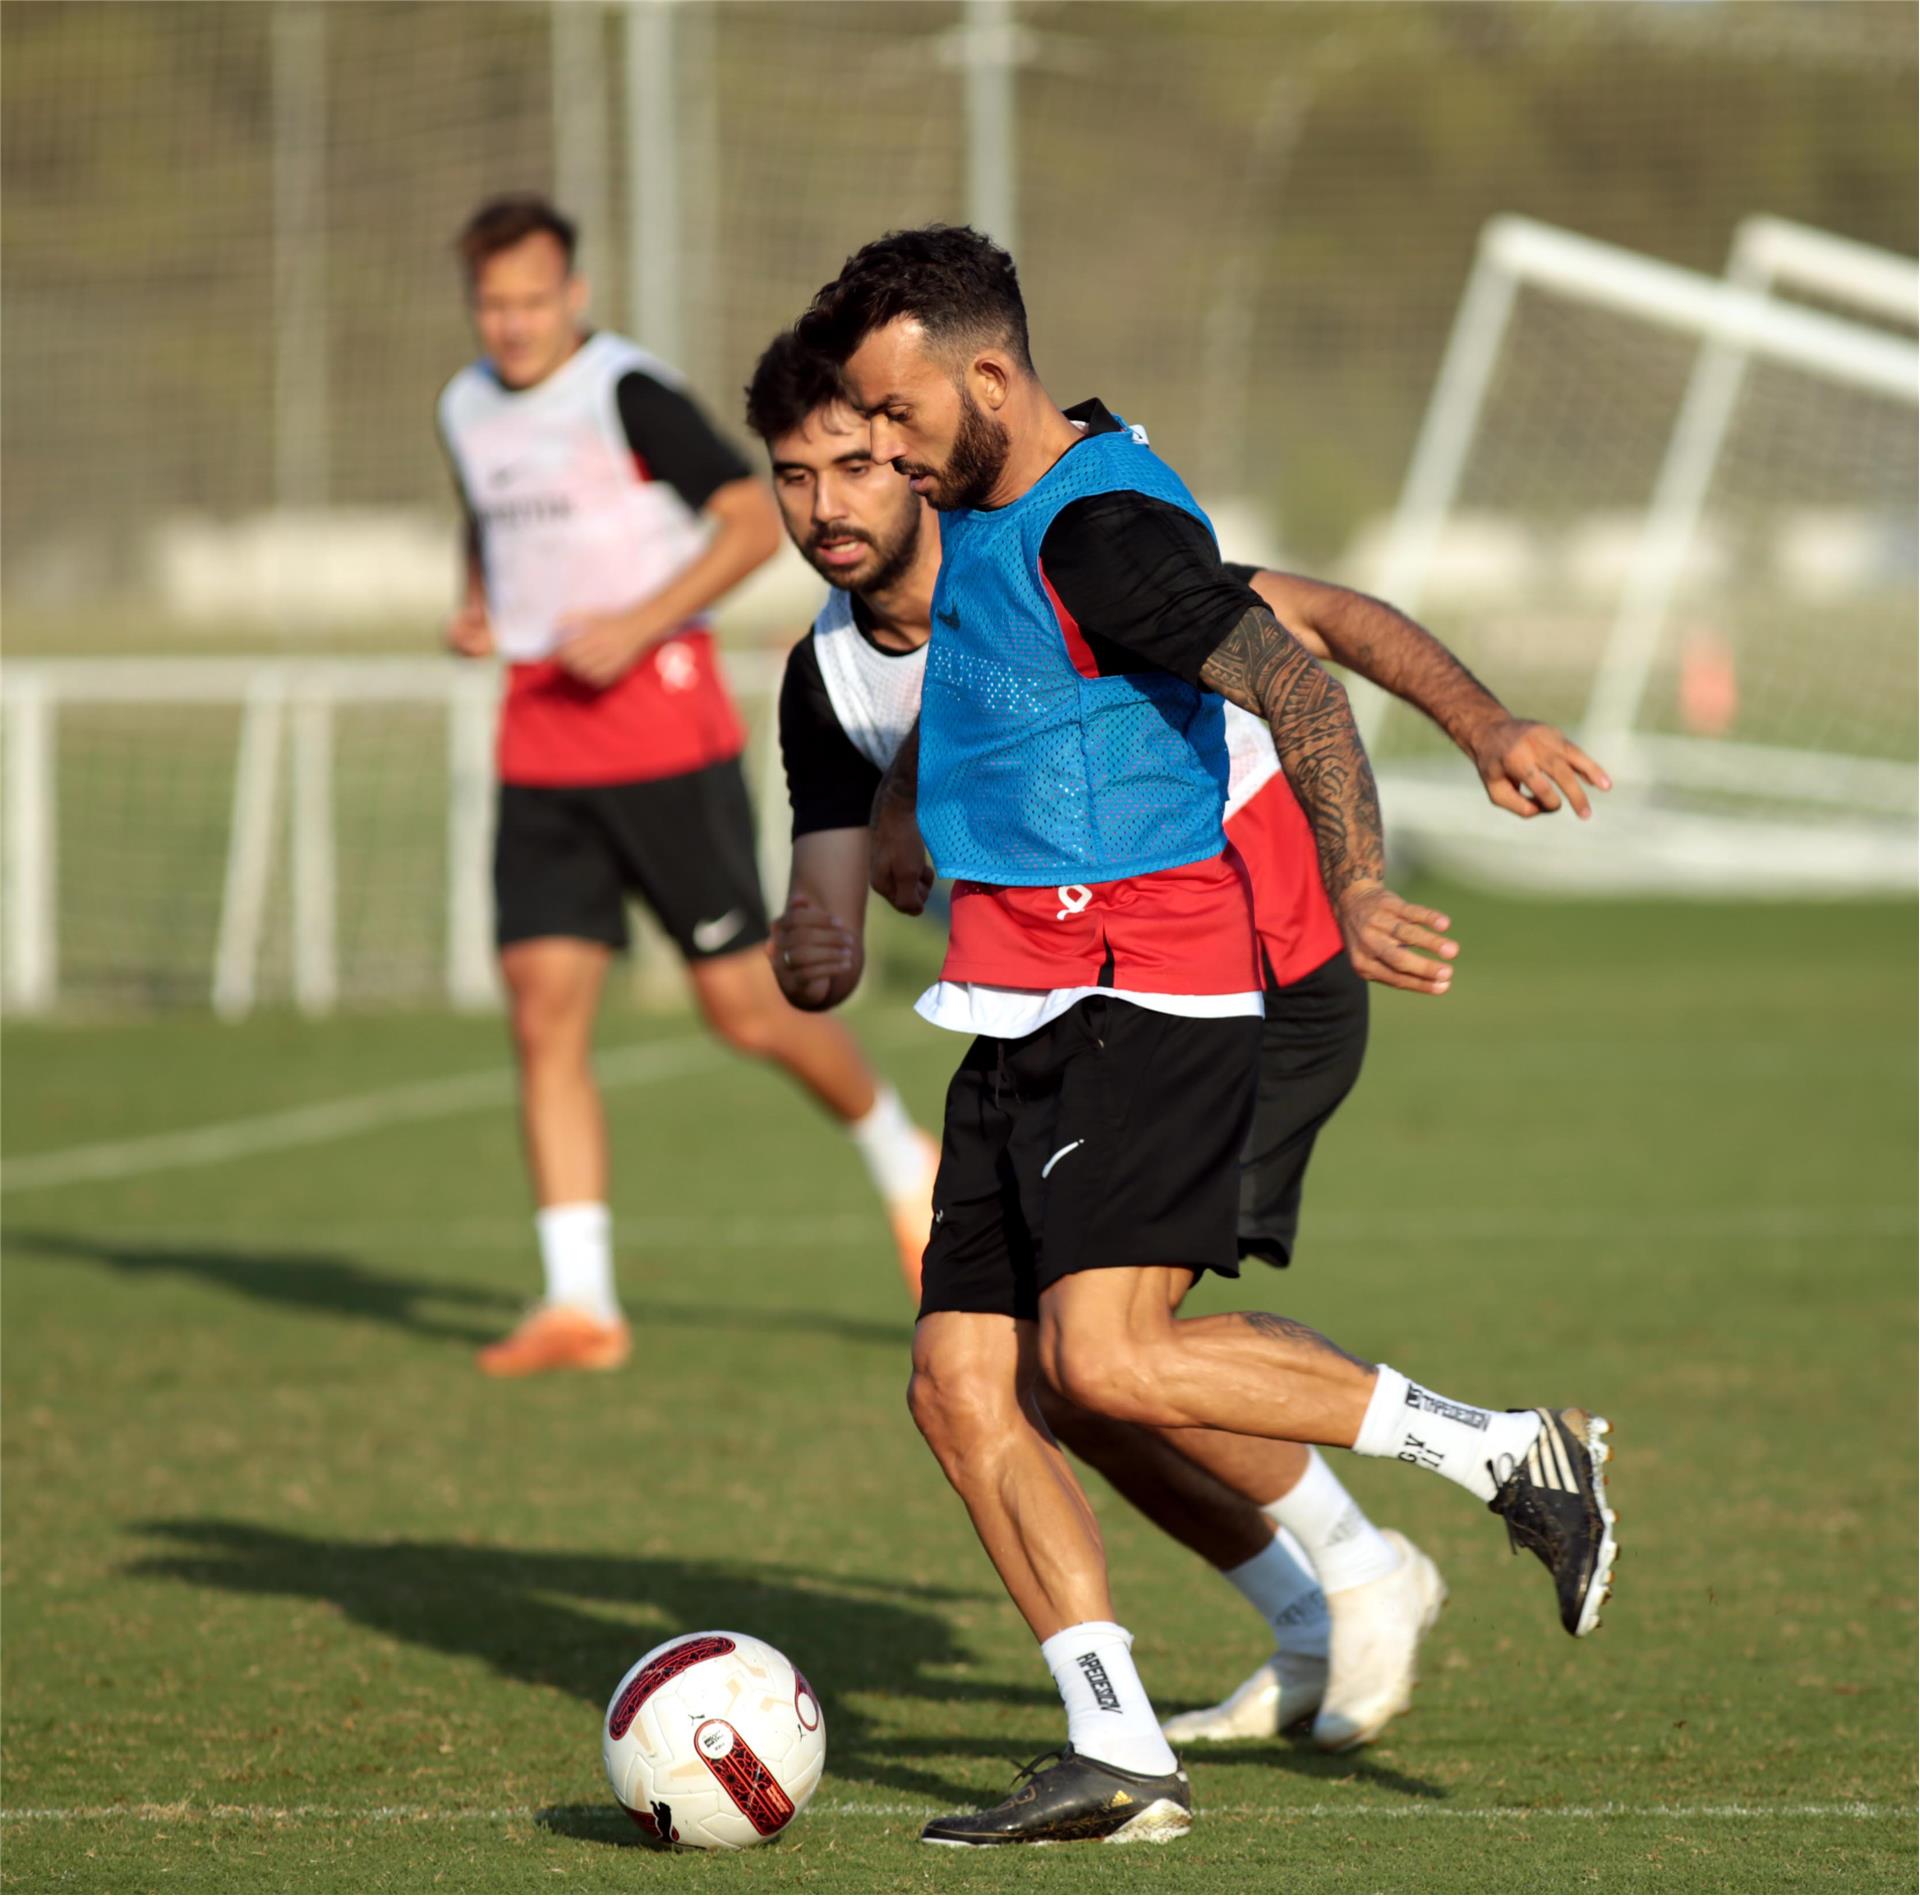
[[1238, 569], [1143, 580], [830, 781], [674, 441]]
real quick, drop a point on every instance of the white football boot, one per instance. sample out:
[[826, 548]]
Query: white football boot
[[1284, 1690], [1375, 1639]]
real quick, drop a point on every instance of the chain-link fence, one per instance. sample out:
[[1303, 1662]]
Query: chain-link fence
[[230, 297]]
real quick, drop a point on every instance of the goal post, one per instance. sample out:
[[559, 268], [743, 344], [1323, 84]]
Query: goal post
[[239, 833], [1692, 502]]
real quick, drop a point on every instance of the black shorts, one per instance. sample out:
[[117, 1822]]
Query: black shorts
[[1111, 1136], [564, 860], [1312, 1043]]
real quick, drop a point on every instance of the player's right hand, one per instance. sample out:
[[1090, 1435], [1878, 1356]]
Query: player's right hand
[[470, 632], [1396, 942], [897, 857], [813, 954]]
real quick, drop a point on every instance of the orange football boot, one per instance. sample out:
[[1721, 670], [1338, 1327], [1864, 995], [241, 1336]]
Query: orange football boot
[[912, 1219], [556, 1336]]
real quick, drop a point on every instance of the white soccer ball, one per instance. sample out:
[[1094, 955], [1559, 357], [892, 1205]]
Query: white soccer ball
[[714, 1741]]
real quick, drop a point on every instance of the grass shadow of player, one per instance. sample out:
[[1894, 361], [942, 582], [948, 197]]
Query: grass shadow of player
[[304, 1280], [1294, 1751], [854, 1639], [657, 1315]]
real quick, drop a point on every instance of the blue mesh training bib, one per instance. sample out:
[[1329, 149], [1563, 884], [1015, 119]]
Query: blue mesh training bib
[[1031, 773]]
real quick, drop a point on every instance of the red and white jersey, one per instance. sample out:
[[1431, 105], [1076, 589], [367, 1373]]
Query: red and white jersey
[[1266, 824], [576, 511]]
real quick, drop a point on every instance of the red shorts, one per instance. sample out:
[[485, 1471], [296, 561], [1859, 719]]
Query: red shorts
[[1187, 930], [668, 714]]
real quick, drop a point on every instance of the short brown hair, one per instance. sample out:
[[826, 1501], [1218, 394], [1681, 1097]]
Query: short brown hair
[[505, 221]]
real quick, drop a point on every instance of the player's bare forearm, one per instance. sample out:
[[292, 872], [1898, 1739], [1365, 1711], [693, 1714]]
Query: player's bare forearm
[[818, 944], [469, 632], [1264, 669], [598, 647], [899, 870], [746, 534], [1528, 768], [1383, 645]]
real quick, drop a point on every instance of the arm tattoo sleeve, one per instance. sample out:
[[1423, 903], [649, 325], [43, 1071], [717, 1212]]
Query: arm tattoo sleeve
[[1264, 669]]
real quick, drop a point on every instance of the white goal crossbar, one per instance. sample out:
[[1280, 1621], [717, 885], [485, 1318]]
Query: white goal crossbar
[[288, 710], [1773, 253], [1516, 251], [1739, 320]]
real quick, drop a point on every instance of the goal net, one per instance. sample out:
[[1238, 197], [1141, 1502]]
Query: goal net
[[239, 833], [1676, 516]]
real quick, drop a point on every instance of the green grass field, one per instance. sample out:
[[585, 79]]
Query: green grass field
[[296, 1600]]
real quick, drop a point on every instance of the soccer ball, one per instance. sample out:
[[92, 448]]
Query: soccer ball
[[714, 1741]]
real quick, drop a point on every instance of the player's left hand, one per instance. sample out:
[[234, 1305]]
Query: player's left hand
[[1396, 942], [596, 647], [1531, 768]]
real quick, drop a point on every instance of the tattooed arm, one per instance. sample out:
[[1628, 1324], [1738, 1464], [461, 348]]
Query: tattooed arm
[[1261, 667], [1528, 767]]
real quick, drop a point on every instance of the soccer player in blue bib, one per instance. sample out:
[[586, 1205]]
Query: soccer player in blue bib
[[1072, 773]]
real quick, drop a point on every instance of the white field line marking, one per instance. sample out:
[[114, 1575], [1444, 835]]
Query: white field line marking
[[331, 1119], [1759, 1221], [1321, 1812], [842, 1227]]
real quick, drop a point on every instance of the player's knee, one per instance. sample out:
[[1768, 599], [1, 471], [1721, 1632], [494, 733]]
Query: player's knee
[[1113, 1380], [1071, 1426], [960, 1417], [747, 1025], [547, 1021]]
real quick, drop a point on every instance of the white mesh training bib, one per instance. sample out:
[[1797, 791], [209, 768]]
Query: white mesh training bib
[[875, 694], [569, 521]]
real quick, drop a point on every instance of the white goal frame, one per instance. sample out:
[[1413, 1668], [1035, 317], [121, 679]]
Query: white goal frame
[[288, 708], [1737, 319]]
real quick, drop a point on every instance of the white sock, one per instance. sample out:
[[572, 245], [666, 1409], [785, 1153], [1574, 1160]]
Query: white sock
[[1342, 1546], [576, 1249], [1407, 1423], [889, 1143], [1281, 1587], [1108, 1713]]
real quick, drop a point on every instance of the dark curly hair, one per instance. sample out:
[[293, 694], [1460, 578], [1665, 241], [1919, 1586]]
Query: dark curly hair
[[789, 382], [960, 286]]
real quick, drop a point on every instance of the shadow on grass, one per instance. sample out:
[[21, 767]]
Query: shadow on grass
[[651, 1311], [305, 1280], [510, 1609], [1295, 1752], [342, 1286]]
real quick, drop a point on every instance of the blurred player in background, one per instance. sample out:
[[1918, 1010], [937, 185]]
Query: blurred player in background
[[604, 517], [1346, 1602], [1102, 953]]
